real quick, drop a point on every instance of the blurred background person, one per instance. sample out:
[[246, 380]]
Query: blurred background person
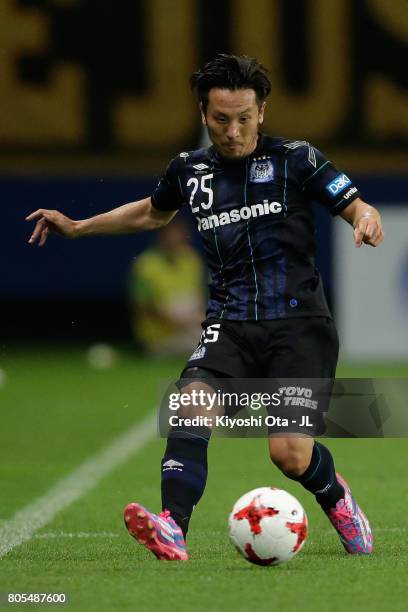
[[166, 293]]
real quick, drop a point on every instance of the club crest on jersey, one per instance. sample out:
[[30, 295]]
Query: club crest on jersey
[[261, 171]]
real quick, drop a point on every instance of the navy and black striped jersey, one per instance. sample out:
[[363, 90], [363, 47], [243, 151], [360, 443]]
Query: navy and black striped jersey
[[256, 222]]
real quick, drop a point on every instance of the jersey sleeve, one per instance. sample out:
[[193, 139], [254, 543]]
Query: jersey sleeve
[[322, 181], [168, 194]]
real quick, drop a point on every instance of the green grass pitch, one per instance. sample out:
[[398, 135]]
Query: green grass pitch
[[56, 411]]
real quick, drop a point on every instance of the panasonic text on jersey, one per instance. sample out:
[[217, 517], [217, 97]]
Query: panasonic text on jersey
[[238, 214]]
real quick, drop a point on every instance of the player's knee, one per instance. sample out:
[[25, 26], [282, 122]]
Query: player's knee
[[289, 460]]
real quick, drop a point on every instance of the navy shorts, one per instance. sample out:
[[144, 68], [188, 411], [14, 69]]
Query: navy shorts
[[284, 351]]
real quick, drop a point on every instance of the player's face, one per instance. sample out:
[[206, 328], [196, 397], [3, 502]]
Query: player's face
[[233, 119]]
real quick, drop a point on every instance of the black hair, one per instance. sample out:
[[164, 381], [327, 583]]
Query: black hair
[[231, 72]]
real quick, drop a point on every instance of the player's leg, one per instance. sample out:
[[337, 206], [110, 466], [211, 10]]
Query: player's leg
[[311, 464], [309, 349], [330, 489], [184, 465], [183, 479], [219, 355]]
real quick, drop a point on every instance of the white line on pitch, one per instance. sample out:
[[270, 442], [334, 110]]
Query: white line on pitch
[[56, 535], [24, 524]]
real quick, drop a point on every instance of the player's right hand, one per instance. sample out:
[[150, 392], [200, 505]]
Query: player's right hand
[[50, 222]]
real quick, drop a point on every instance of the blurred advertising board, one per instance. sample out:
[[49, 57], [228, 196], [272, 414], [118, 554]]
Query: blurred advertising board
[[371, 290]]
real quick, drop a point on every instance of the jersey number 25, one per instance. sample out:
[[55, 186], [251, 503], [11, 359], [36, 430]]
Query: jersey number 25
[[194, 181]]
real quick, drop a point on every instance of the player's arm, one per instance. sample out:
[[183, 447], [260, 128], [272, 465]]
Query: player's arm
[[126, 219], [366, 221], [319, 178]]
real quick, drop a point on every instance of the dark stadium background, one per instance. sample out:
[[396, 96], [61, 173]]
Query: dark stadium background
[[113, 51], [94, 102]]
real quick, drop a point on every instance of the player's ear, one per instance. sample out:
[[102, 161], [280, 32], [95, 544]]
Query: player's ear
[[261, 112], [204, 122]]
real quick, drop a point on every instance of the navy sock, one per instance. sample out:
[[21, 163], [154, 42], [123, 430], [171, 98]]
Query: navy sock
[[183, 474], [320, 478]]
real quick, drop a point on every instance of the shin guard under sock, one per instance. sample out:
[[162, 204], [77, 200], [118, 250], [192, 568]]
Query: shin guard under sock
[[183, 475], [320, 478]]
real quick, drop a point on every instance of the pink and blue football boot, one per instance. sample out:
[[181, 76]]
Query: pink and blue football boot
[[351, 523], [158, 533]]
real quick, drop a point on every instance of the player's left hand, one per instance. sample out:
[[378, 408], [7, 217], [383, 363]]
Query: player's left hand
[[368, 230]]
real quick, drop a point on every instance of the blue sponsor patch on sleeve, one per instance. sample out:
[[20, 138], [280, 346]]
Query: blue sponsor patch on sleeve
[[338, 184]]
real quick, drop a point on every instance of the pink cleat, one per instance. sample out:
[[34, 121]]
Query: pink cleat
[[159, 533], [351, 523]]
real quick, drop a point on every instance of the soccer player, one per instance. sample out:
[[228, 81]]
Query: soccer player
[[267, 315]]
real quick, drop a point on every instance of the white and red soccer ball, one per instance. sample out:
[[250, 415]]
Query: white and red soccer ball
[[268, 526]]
